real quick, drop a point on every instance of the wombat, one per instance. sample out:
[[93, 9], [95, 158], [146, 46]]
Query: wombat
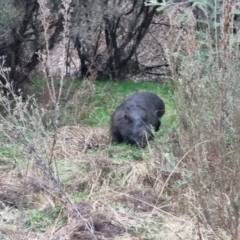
[[133, 118]]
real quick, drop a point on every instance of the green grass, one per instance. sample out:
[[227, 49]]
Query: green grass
[[79, 196], [106, 97], [109, 95], [125, 152], [96, 108], [70, 169], [40, 220], [9, 152], [100, 105], [83, 179]]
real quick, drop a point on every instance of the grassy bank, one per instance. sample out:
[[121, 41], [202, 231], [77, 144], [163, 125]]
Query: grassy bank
[[119, 188]]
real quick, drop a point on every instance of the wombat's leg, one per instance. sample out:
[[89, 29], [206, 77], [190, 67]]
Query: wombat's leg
[[157, 126]]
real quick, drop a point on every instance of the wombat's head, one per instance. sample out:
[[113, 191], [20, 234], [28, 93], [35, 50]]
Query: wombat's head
[[135, 130]]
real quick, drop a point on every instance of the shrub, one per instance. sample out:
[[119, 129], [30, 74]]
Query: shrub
[[207, 94]]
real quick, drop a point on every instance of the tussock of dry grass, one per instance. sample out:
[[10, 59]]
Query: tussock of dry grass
[[13, 232], [102, 224], [72, 141], [19, 188], [95, 171], [112, 219], [122, 198], [129, 206]]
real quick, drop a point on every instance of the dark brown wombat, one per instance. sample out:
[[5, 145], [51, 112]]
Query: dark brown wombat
[[133, 118]]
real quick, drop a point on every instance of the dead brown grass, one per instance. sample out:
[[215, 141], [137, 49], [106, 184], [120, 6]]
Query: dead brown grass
[[122, 200], [23, 188], [72, 141], [112, 219], [102, 224]]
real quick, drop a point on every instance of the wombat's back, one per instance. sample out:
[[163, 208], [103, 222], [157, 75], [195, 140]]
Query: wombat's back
[[146, 100]]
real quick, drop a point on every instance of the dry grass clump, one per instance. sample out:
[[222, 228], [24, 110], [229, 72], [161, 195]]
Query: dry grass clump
[[129, 207], [14, 232], [99, 171], [19, 188], [111, 218], [72, 141], [103, 226]]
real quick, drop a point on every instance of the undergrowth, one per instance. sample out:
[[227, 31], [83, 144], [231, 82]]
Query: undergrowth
[[83, 161], [61, 178]]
